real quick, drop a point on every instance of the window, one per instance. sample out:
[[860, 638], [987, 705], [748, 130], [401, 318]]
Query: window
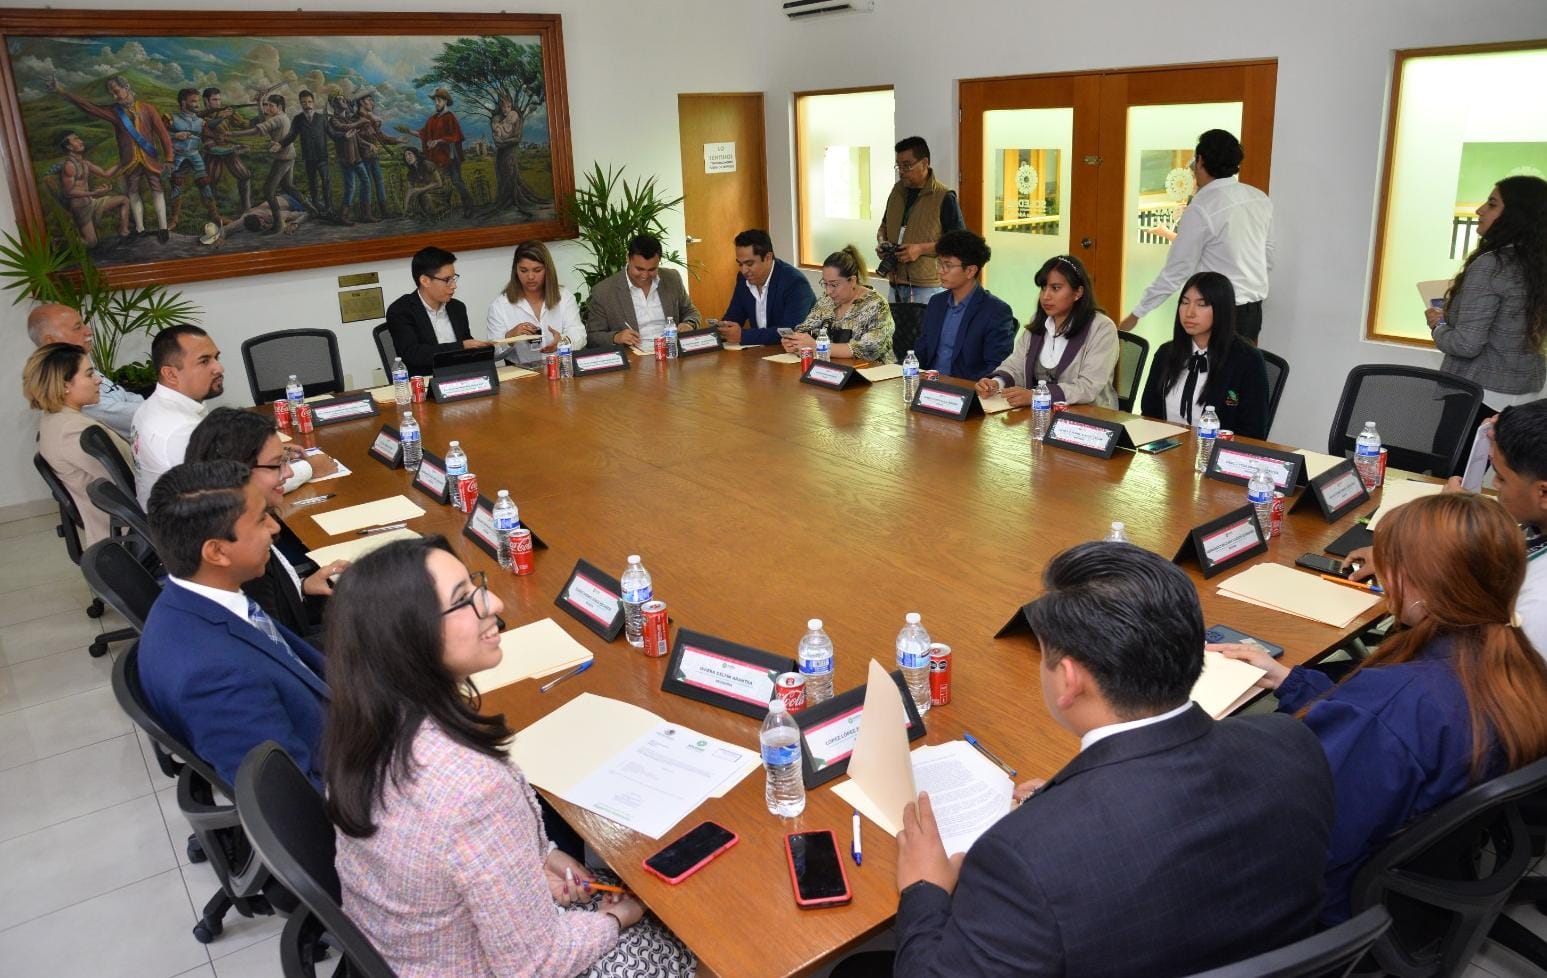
[[1461, 120], [843, 169]]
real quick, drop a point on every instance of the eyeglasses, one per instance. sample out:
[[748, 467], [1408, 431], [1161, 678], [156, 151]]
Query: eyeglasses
[[905, 167], [479, 599], [830, 286], [949, 264], [449, 279]]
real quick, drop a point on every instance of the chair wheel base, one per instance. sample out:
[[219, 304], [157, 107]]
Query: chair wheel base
[[207, 930], [98, 649], [95, 609], [196, 852]]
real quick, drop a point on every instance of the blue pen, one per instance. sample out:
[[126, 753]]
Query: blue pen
[[854, 848], [969, 738], [572, 673]]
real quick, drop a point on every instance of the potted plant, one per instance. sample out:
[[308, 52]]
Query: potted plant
[[43, 270], [608, 211]]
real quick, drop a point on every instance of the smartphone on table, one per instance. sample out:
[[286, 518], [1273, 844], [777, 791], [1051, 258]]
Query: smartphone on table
[[1324, 565], [1224, 633], [692, 852], [816, 871], [1161, 445]]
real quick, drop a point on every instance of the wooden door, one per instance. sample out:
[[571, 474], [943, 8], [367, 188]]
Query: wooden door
[[724, 188]]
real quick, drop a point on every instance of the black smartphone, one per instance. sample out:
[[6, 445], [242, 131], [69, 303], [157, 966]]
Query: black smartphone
[[1324, 565], [816, 869], [1162, 445], [692, 852], [1224, 633]]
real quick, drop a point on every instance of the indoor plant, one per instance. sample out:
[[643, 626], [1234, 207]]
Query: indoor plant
[[608, 211]]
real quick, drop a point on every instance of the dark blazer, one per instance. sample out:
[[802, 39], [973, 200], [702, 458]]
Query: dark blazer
[[1238, 389], [313, 136], [1145, 856], [414, 338], [986, 336], [220, 686], [789, 300]]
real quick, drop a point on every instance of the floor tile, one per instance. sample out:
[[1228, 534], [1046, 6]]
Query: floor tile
[[206, 971], [43, 600], [81, 781], [139, 931], [80, 858], [52, 677], [177, 828], [240, 932], [30, 524], [60, 725], [39, 637], [259, 960], [34, 559]]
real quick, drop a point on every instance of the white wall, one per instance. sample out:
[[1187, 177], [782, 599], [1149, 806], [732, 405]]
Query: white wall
[[627, 61]]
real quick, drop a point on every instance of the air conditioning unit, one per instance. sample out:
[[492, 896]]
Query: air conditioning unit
[[797, 9]]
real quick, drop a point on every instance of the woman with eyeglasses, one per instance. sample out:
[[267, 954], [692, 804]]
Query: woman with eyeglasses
[[857, 319], [441, 856], [1069, 343], [59, 380]]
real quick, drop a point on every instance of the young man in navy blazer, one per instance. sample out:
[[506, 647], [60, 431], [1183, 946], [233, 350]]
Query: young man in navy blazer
[[1171, 844], [430, 319], [216, 670], [968, 331], [770, 294]]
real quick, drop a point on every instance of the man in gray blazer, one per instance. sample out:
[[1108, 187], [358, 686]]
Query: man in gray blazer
[[632, 306]]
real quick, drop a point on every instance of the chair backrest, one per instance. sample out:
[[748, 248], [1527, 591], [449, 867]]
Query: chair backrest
[[1425, 417], [1447, 876], [1132, 353], [1329, 954], [96, 442], [384, 349], [121, 580], [70, 523], [122, 508], [1278, 375], [907, 327], [310, 354], [131, 698], [286, 823]]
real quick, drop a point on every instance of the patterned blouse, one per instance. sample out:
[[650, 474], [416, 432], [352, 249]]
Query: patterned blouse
[[866, 327]]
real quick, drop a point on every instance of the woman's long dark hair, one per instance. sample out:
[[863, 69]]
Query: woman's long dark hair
[[386, 672], [230, 434], [1217, 291], [1523, 225], [1085, 308]]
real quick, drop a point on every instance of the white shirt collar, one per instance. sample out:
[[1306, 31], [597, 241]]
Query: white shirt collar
[[177, 400], [431, 312], [1101, 733], [233, 601], [655, 286]]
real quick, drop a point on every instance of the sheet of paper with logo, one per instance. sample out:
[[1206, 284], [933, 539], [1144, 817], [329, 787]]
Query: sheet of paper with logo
[[1395, 492], [1299, 593], [1225, 684], [884, 371], [995, 403], [967, 793], [393, 509], [1142, 431], [532, 650], [783, 358], [357, 548]]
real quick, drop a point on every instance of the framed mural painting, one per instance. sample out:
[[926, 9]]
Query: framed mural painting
[[182, 147]]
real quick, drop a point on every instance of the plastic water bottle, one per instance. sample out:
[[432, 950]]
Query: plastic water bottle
[[824, 347], [816, 662], [913, 660], [636, 591], [910, 378], [1041, 410], [671, 338], [1259, 492], [1208, 431], [413, 449], [566, 358], [780, 742], [456, 461], [1118, 533], [506, 519], [401, 392], [294, 392], [1367, 455]]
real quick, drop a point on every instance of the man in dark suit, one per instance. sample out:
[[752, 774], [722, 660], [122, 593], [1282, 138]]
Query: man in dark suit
[[771, 294], [311, 128], [968, 331], [217, 671], [631, 307], [430, 320], [1171, 844]]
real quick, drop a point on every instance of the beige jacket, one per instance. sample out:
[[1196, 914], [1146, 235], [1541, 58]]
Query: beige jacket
[[610, 308], [59, 442], [1084, 372]]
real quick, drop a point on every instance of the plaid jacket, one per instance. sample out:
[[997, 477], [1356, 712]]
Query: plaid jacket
[[1485, 337]]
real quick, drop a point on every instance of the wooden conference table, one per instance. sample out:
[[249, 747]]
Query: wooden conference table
[[758, 502]]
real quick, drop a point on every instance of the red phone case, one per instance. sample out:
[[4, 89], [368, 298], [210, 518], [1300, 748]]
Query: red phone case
[[674, 880], [832, 901]]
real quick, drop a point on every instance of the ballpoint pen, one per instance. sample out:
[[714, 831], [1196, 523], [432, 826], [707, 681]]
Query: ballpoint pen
[[568, 675], [372, 530], [969, 738], [1372, 588], [313, 501], [855, 850]]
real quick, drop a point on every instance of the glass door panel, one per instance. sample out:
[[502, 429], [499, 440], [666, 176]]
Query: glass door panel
[[1027, 159]]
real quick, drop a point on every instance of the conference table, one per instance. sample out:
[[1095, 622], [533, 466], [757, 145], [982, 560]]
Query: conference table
[[757, 502]]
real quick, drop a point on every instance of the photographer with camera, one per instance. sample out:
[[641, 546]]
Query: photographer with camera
[[919, 210]]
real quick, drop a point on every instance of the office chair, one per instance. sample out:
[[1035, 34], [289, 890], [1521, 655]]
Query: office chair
[[310, 354], [1330, 954], [1278, 376], [70, 525], [1425, 417], [907, 327], [1133, 352], [117, 575], [96, 442], [384, 349], [288, 826], [128, 521]]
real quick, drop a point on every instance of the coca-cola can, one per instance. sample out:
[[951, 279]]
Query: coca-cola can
[[660, 347], [1276, 516], [521, 550], [421, 388], [807, 356], [1060, 406], [464, 495], [282, 412], [551, 365], [791, 688], [929, 374], [303, 417], [1225, 434], [1381, 472], [657, 629], [939, 674]]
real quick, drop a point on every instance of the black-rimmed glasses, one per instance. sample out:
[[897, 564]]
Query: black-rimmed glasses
[[478, 599]]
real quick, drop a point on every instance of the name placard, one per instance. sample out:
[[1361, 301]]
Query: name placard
[[1083, 434], [388, 447], [462, 388], [479, 528], [605, 361], [833, 376], [337, 409], [1221, 544], [829, 731], [699, 341], [1233, 461], [946, 400], [724, 674], [594, 598], [1336, 491], [431, 478]]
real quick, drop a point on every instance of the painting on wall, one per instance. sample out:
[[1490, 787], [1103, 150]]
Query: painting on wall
[[179, 148]]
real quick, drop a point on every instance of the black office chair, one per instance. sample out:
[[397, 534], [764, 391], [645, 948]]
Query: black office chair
[[117, 575], [1330, 954], [128, 521], [288, 826], [310, 354], [384, 349], [70, 525], [907, 327], [1278, 376], [1133, 353], [1425, 417], [1446, 878], [245, 885], [96, 442]]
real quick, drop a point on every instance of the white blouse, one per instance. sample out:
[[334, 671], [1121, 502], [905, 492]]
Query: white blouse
[[1174, 395], [505, 315]]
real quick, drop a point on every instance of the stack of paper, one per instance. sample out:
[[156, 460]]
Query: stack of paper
[[532, 650], [357, 548], [1398, 491], [392, 509], [994, 404], [510, 371], [783, 358], [1225, 684], [1298, 593], [884, 371], [1142, 431]]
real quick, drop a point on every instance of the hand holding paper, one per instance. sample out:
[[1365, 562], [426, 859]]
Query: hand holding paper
[[921, 853]]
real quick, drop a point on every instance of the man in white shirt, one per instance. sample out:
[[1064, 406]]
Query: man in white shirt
[[188, 373], [631, 307], [54, 322], [1228, 228]]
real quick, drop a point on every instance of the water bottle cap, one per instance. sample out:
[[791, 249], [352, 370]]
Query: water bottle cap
[[1208, 407], [633, 558], [815, 624], [456, 444], [408, 416], [292, 376], [1118, 525], [504, 494], [777, 705], [913, 618]]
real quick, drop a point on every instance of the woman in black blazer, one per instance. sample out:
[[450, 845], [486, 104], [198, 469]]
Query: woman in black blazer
[[1206, 363]]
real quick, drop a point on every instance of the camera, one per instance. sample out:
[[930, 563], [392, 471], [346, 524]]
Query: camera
[[888, 263]]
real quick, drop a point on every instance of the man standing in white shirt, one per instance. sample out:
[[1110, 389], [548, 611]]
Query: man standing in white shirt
[[188, 373], [55, 322], [1228, 228]]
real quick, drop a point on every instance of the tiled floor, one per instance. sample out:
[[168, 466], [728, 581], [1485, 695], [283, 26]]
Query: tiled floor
[[94, 879]]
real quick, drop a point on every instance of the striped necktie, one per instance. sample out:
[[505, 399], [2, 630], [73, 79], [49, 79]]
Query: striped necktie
[[265, 624]]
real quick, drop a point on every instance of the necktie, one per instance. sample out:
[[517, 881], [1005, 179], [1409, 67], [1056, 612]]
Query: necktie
[[1197, 364], [265, 624]]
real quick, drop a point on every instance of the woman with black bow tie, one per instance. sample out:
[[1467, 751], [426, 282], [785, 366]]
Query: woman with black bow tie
[[1206, 363]]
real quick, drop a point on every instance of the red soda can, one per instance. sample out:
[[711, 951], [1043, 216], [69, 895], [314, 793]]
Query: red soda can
[[282, 412], [1381, 478], [464, 495], [1225, 434], [421, 388], [1276, 516], [1060, 406], [807, 355], [303, 417], [791, 688], [657, 628], [929, 374], [551, 365], [660, 347], [939, 674], [521, 550]]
